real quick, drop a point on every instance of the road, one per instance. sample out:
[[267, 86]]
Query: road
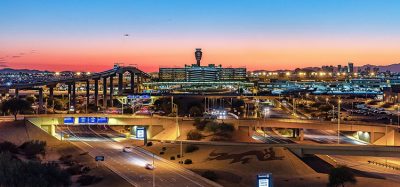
[[329, 137], [355, 162], [267, 135], [97, 140]]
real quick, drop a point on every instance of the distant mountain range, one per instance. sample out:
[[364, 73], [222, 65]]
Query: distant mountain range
[[10, 70], [391, 67]]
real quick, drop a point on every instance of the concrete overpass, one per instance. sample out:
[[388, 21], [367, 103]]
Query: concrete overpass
[[302, 150], [377, 132], [91, 81]]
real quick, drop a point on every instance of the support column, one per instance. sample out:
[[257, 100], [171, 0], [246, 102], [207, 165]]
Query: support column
[[51, 92], [120, 83], [16, 94], [132, 83], [96, 92], [111, 90], [40, 100], [74, 96], [105, 92], [69, 95], [87, 92]]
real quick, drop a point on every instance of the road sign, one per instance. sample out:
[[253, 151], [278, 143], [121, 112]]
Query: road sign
[[102, 120], [264, 180], [83, 120], [99, 158], [92, 120], [141, 134], [69, 120]]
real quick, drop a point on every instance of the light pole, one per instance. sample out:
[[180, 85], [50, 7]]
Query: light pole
[[338, 125], [154, 174], [398, 116]]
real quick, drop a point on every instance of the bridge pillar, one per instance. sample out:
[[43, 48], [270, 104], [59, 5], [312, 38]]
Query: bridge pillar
[[16, 93], [111, 90], [74, 96], [69, 95], [301, 134], [87, 93], [40, 100], [51, 92], [104, 92], [120, 83], [96, 92]]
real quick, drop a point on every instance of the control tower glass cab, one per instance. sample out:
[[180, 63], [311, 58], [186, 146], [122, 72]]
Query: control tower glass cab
[[198, 55]]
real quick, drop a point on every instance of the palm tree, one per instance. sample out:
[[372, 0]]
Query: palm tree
[[340, 175]]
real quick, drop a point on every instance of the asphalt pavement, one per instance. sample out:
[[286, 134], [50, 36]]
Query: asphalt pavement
[[98, 141]]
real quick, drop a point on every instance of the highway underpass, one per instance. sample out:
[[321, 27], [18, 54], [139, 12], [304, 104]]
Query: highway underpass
[[378, 134]]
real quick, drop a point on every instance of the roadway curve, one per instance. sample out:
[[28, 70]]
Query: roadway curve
[[97, 140]]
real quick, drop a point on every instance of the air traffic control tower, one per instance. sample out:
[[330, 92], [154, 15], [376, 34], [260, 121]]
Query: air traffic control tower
[[198, 55]]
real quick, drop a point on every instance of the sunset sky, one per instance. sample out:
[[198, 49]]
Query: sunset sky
[[89, 35]]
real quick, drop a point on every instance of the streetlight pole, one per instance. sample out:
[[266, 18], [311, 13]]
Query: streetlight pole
[[154, 174], [338, 126]]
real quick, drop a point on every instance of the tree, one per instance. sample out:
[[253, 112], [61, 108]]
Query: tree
[[340, 175], [16, 106], [212, 126], [15, 172], [195, 111], [194, 135], [31, 99]]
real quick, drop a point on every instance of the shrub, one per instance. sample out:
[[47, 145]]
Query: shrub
[[191, 148], [34, 147], [149, 144], [8, 146], [212, 126], [188, 161], [226, 127], [86, 169], [210, 175], [194, 135], [172, 158], [86, 180], [200, 124], [74, 170]]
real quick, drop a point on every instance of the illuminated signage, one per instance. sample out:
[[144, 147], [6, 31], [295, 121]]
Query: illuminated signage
[[140, 132], [83, 120], [138, 96], [69, 120], [264, 180], [102, 120], [92, 120]]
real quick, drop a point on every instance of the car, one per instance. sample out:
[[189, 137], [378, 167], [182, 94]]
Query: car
[[149, 166], [127, 149]]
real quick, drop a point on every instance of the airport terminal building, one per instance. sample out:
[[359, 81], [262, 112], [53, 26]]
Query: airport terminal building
[[196, 76]]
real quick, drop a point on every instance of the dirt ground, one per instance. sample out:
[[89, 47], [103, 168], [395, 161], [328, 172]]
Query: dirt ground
[[239, 166], [18, 132]]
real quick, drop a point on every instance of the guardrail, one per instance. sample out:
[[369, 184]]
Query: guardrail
[[386, 165]]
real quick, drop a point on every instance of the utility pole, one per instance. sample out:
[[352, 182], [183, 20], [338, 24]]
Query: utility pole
[[154, 174], [338, 127]]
